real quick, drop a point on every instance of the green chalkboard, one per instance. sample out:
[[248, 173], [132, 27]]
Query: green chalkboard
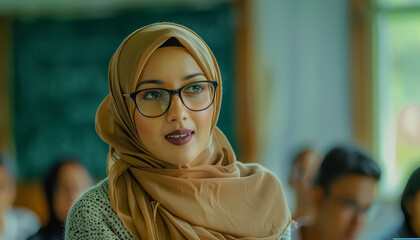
[[60, 78]]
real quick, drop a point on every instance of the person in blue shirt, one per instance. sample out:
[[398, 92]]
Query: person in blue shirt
[[15, 223]]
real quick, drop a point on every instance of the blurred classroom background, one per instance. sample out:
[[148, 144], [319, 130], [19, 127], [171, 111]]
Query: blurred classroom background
[[295, 73]]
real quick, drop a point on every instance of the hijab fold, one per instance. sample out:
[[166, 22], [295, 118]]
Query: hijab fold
[[218, 198]]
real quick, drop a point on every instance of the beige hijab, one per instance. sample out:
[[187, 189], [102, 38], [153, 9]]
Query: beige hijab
[[220, 198]]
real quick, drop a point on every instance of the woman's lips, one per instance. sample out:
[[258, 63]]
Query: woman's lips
[[180, 136]]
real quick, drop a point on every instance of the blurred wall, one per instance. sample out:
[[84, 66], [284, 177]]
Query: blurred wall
[[302, 79]]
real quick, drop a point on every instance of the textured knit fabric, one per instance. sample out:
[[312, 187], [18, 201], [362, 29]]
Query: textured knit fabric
[[92, 217]]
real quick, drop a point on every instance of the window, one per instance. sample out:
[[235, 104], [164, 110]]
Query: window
[[396, 91]]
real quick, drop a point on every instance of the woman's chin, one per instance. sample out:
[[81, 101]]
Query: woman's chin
[[180, 161]]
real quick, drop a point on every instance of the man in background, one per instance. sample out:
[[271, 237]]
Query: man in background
[[342, 193]]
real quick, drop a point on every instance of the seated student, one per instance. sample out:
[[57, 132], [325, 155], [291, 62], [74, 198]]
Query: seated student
[[304, 167], [410, 206], [64, 182], [341, 195], [15, 223]]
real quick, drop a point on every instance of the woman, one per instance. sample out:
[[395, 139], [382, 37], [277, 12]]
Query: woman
[[410, 206], [172, 174], [64, 182]]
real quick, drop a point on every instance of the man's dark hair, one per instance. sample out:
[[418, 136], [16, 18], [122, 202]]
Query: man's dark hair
[[345, 160]]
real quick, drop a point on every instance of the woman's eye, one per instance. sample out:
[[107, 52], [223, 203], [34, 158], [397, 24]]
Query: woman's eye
[[152, 95], [194, 88]]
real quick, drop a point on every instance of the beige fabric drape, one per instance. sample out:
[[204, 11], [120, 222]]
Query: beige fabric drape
[[219, 198]]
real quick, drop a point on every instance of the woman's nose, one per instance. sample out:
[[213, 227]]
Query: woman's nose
[[177, 111]]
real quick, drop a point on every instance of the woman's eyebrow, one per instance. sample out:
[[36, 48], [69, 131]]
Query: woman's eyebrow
[[160, 82], [152, 81], [193, 75]]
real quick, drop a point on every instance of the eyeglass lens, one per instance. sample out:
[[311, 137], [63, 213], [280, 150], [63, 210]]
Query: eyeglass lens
[[195, 96]]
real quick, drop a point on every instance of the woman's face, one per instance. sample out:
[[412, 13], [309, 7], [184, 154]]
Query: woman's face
[[72, 181], [172, 68]]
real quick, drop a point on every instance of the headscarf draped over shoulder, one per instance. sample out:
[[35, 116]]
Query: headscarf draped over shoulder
[[220, 198]]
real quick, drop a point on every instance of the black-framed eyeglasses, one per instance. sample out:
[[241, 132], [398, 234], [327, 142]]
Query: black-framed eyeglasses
[[154, 102]]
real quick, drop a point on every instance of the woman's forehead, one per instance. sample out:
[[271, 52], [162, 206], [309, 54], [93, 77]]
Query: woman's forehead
[[169, 62]]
